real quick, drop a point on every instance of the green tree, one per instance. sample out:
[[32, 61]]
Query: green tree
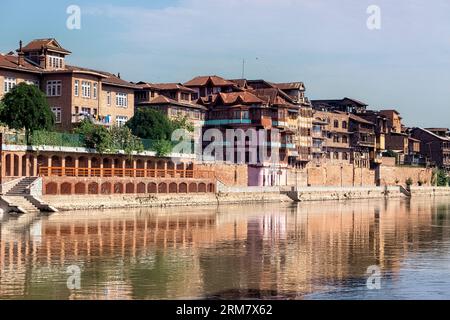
[[26, 107], [148, 123], [95, 136], [162, 148], [123, 139], [182, 123], [440, 178]]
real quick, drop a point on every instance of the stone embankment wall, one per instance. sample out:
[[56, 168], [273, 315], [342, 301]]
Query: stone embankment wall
[[228, 174], [430, 191], [330, 193], [65, 203], [347, 175], [398, 175]]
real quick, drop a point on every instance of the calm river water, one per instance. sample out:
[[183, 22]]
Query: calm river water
[[310, 251]]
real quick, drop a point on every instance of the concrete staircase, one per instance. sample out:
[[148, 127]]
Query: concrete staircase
[[17, 198], [22, 203], [20, 188]]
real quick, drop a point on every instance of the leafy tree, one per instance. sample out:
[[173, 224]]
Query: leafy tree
[[123, 139], [26, 107], [440, 178], [95, 136], [162, 148], [152, 124], [182, 123]]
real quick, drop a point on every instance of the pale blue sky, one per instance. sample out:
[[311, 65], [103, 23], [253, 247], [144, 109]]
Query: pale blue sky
[[324, 43]]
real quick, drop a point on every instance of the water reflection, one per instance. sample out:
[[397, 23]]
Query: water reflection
[[257, 251]]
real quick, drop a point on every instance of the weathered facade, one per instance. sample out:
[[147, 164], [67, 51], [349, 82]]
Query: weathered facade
[[434, 147]]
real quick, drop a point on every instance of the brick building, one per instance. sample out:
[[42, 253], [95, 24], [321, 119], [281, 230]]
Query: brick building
[[435, 148], [73, 93], [173, 99], [331, 138]]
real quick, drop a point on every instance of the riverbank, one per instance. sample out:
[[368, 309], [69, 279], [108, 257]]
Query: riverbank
[[237, 196]]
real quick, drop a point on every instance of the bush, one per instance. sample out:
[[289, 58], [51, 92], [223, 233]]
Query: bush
[[162, 148], [440, 178], [46, 138]]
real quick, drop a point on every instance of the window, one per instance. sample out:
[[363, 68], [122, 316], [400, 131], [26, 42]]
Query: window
[[54, 88], [95, 91], [77, 110], [55, 62], [245, 115], [185, 96], [86, 89], [9, 84], [57, 112], [336, 155], [121, 120], [77, 88], [122, 100], [108, 98], [344, 124], [336, 124], [86, 111], [344, 139], [345, 156]]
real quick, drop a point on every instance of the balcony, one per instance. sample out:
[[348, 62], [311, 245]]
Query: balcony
[[105, 121], [221, 122]]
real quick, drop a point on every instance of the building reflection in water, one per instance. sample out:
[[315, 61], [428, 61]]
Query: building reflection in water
[[259, 251]]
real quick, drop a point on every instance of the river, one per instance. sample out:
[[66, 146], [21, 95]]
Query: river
[[366, 249]]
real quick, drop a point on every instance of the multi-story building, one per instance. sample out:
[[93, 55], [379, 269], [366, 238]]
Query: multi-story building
[[363, 133], [381, 130], [254, 115], [299, 119], [73, 93], [303, 136], [173, 99], [363, 141], [332, 143], [434, 147]]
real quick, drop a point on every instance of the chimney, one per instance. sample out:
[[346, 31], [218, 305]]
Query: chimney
[[43, 58], [21, 54], [118, 75]]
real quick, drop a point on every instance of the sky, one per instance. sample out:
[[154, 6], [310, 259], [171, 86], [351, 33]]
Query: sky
[[404, 65]]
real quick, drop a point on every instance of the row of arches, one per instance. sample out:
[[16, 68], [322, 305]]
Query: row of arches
[[106, 188], [22, 165]]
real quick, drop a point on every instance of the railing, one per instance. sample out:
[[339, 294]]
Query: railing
[[125, 172]]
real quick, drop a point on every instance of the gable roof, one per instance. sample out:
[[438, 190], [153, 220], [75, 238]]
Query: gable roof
[[161, 99], [244, 97], [165, 86], [48, 43], [289, 85], [11, 62], [431, 133], [204, 80], [273, 96]]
